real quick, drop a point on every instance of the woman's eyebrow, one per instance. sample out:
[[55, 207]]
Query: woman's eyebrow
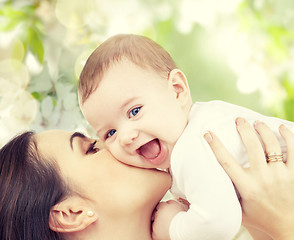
[[75, 134]]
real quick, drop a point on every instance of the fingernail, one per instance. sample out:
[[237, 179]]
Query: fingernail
[[257, 123], [283, 127], [240, 121], [208, 137]]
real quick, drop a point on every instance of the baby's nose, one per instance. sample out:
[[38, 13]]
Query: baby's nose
[[128, 137]]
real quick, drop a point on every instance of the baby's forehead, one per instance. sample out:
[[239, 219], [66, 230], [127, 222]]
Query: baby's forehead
[[99, 77], [126, 61]]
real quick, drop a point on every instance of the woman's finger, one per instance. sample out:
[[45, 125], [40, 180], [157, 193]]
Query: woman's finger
[[252, 143], [270, 141], [229, 164], [289, 139]]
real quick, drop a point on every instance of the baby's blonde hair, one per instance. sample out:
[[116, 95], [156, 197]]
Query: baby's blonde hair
[[140, 50]]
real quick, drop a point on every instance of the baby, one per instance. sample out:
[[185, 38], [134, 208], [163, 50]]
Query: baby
[[139, 103]]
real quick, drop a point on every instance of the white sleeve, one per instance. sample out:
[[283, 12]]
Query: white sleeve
[[224, 127], [215, 212]]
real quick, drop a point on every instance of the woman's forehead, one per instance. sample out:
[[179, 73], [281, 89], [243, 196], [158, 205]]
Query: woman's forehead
[[52, 135]]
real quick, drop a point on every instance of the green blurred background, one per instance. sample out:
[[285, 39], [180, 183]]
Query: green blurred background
[[240, 51]]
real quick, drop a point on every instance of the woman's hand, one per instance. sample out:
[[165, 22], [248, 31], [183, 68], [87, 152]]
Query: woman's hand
[[266, 188]]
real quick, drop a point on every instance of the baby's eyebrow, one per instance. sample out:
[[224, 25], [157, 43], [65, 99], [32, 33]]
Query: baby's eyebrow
[[75, 134], [127, 102]]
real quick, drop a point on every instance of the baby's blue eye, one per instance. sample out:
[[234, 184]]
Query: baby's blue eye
[[134, 112], [110, 133]]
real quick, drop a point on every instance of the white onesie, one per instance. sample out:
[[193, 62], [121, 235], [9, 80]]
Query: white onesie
[[215, 212]]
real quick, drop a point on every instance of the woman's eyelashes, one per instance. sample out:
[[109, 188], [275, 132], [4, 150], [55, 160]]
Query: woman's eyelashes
[[133, 112], [92, 148]]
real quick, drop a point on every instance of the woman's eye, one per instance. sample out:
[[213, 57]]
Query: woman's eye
[[92, 148], [110, 133], [134, 112]]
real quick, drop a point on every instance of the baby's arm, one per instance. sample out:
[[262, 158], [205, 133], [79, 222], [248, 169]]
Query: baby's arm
[[164, 213]]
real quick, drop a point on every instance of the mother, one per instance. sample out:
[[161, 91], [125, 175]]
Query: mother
[[86, 193], [60, 185]]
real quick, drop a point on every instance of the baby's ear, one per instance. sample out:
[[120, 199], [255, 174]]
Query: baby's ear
[[179, 84], [71, 215]]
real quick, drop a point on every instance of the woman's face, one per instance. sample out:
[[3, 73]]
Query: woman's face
[[98, 176]]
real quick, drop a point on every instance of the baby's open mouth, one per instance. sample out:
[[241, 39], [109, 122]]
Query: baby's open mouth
[[150, 150]]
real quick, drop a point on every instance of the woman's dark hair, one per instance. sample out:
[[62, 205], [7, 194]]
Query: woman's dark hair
[[29, 187]]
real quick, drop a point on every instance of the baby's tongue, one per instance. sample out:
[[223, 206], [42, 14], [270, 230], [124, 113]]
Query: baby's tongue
[[151, 149]]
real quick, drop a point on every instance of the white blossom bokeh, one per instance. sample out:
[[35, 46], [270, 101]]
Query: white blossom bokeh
[[42, 95]]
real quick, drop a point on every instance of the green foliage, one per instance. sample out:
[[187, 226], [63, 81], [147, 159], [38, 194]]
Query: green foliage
[[279, 36], [31, 33], [34, 42], [288, 107], [289, 101], [269, 21]]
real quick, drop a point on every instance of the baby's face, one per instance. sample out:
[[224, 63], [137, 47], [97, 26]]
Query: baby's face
[[137, 114]]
